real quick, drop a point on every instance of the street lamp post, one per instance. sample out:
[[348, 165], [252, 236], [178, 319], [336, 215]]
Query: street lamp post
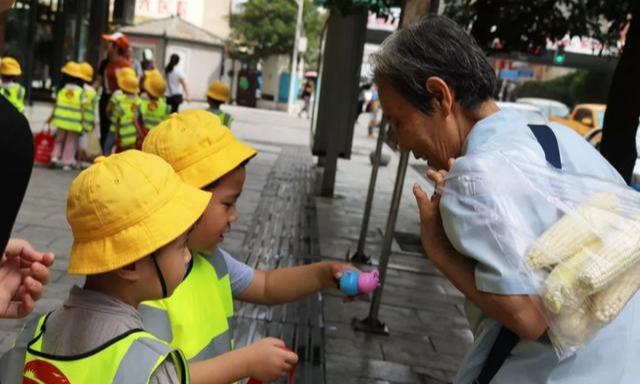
[[294, 58]]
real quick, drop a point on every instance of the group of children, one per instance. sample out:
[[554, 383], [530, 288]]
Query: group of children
[[157, 304], [136, 107]]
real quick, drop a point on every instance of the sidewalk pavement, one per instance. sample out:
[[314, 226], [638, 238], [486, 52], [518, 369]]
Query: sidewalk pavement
[[428, 332]]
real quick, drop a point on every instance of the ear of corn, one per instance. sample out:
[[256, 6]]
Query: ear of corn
[[609, 302], [574, 231], [620, 252], [572, 327], [561, 286]]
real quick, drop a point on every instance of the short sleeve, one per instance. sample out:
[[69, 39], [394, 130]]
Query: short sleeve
[[493, 226], [240, 274], [166, 373]]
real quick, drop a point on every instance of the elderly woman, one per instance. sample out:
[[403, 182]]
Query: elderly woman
[[435, 87]]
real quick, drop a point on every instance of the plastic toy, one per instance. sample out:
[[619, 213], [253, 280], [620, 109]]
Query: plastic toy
[[353, 283]]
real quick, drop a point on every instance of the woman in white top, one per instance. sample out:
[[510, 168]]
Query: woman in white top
[[176, 82]]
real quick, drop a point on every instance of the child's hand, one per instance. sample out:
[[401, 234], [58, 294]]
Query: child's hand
[[268, 361]]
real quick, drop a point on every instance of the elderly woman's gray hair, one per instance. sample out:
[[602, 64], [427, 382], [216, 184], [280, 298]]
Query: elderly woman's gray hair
[[435, 46]]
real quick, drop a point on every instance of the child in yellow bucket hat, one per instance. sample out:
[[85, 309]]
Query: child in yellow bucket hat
[[68, 116], [218, 94], [130, 215], [14, 92], [206, 155], [124, 112], [153, 107]]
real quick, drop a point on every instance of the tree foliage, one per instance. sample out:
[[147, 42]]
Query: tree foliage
[[525, 26], [267, 27]]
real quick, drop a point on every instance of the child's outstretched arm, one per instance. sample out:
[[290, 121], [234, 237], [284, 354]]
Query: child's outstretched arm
[[265, 360], [285, 285]]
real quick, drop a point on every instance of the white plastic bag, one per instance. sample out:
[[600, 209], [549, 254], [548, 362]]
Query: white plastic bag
[[585, 264]]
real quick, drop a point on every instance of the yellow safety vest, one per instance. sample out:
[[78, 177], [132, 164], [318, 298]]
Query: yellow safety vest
[[225, 118], [153, 112], [15, 95], [125, 111], [129, 358], [195, 318], [89, 107], [67, 114]]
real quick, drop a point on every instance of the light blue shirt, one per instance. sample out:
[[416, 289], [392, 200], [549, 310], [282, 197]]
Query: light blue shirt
[[613, 355], [240, 274]]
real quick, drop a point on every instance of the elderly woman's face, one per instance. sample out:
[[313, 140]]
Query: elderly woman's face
[[432, 138]]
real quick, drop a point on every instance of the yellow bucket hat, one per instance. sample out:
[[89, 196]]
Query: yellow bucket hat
[[154, 83], [218, 91], [86, 70], [198, 146], [126, 206], [72, 69], [10, 67], [127, 80]]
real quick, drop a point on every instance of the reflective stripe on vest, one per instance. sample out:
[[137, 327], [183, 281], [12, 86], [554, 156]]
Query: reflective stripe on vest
[[129, 358], [153, 112], [193, 319], [125, 110], [89, 107], [15, 95], [67, 114], [224, 284]]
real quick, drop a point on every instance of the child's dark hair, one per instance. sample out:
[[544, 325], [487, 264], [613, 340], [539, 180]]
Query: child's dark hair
[[66, 79], [217, 181], [214, 102]]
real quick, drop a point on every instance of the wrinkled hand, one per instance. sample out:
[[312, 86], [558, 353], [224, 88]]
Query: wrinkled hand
[[268, 360], [23, 274], [431, 231]]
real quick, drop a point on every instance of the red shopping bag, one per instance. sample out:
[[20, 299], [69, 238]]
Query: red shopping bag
[[43, 146]]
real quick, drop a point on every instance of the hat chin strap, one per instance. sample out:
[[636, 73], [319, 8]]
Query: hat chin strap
[[163, 284]]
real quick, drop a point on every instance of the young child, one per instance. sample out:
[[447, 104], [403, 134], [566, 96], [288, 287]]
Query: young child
[[12, 90], [206, 155], [88, 109], [153, 108], [89, 105], [68, 116], [130, 215], [123, 111], [218, 94]]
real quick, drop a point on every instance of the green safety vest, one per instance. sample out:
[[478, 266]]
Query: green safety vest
[[129, 358], [125, 111], [67, 114], [89, 107], [198, 317], [15, 95], [225, 118], [153, 112]]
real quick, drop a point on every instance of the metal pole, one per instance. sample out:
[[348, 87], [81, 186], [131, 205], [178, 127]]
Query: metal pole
[[372, 323], [359, 256], [294, 58]]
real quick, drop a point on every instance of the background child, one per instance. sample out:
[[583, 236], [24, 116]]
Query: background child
[[206, 155], [88, 106], [68, 116], [123, 110], [218, 94], [12, 90], [153, 107], [97, 336]]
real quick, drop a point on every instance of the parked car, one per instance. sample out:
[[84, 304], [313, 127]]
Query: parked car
[[531, 113], [547, 106], [586, 119]]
